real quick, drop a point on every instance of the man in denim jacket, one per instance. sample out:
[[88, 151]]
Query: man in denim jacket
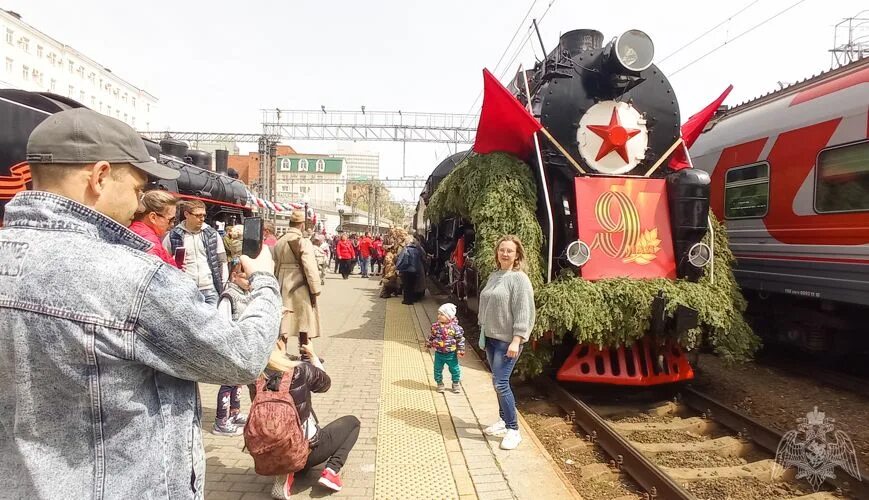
[[101, 345]]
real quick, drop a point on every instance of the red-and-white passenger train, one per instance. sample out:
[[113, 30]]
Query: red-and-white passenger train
[[790, 176]]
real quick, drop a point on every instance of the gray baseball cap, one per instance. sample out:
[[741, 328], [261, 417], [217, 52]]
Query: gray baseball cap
[[81, 135]]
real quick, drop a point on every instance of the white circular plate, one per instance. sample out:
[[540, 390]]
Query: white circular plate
[[612, 137]]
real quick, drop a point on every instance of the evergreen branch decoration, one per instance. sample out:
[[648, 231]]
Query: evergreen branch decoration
[[496, 193]]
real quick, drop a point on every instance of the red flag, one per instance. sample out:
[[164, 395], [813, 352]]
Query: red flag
[[693, 127], [505, 125]]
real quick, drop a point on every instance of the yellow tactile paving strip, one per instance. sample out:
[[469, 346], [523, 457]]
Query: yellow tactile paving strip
[[412, 459]]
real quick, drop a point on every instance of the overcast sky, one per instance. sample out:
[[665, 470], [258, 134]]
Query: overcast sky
[[214, 64]]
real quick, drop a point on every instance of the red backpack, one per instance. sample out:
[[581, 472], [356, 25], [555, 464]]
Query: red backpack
[[273, 435]]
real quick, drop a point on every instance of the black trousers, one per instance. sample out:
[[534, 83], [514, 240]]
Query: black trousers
[[334, 443], [337, 261], [344, 265], [408, 287]]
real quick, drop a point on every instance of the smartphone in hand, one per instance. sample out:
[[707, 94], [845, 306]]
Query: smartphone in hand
[[252, 241], [180, 253]]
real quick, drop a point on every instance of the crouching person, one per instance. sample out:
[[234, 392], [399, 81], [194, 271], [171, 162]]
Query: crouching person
[[298, 443]]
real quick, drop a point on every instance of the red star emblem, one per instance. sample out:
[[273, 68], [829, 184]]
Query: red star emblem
[[614, 137]]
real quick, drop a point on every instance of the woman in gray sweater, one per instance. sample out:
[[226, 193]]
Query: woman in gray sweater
[[506, 317]]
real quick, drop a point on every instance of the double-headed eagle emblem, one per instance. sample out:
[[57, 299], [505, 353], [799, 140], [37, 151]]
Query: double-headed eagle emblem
[[814, 456]]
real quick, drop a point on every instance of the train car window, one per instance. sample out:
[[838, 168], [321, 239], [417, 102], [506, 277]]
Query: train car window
[[842, 179], [746, 191]]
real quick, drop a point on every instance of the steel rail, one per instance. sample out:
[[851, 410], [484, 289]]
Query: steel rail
[[649, 476], [764, 436]]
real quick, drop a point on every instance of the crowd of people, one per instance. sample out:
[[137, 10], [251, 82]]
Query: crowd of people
[[103, 344]]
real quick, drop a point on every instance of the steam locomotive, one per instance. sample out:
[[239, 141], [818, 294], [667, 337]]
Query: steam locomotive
[[616, 115], [21, 111]]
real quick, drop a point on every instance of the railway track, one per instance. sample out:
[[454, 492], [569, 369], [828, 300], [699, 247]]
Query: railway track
[[688, 447]]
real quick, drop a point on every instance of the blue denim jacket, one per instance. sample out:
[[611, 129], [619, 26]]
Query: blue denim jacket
[[101, 346]]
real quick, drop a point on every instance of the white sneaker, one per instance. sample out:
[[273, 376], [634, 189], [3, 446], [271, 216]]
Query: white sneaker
[[511, 440], [499, 428]]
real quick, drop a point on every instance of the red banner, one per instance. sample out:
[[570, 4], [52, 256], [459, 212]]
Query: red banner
[[626, 223], [505, 125], [692, 129]]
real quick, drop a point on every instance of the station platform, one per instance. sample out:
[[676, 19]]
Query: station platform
[[414, 442]]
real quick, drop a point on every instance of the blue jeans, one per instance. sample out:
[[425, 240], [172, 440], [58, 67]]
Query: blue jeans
[[363, 264], [451, 359], [502, 367], [210, 295]]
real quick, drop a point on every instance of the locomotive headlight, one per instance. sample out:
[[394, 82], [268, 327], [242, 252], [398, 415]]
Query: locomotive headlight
[[699, 255], [577, 253], [634, 50]]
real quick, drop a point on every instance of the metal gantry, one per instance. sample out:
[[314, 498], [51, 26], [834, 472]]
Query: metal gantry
[[393, 126], [196, 137], [339, 125], [850, 39]]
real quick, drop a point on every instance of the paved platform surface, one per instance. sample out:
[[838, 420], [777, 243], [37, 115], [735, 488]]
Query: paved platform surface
[[414, 443]]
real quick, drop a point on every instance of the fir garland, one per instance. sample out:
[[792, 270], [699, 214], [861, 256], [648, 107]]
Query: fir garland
[[496, 192]]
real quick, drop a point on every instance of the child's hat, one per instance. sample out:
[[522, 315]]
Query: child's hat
[[448, 310]]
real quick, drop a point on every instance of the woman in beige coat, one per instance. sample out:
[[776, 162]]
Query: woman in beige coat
[[299, 277]]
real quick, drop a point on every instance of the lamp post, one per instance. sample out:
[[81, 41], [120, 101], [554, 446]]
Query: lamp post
[[340, 220], [306, 215]]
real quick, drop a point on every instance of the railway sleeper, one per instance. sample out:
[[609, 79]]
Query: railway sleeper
[[761, 470], [573, 444], [598, 472], [725, 446], [696, 425], [820, 495], [659, 410]]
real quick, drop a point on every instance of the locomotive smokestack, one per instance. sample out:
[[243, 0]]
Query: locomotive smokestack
[[221, 160], [577, 41]]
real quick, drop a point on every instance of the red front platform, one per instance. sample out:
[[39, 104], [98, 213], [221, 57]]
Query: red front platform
[[639, 364]]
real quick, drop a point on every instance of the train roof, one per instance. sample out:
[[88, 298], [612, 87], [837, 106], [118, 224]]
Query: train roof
[[792, 89]]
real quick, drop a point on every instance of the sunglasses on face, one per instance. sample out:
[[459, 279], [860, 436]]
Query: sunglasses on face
[[198, 216]]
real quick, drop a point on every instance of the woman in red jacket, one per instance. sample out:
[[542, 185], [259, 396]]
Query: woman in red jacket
[[346, 254], [156, 215]]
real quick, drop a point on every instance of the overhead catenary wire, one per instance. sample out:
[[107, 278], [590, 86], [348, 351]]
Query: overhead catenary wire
[[710, 30], [504, 53], [515, 33], [749, 30], [514, 56]]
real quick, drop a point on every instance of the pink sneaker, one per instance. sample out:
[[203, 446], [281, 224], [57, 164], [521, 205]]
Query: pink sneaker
[[282, 486], [331, 479]]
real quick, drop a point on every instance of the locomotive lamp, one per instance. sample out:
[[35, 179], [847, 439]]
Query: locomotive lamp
[[699, 255], [631, 52], [577, 253]]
